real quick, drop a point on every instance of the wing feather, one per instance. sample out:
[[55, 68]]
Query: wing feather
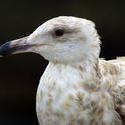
[[113, 78]]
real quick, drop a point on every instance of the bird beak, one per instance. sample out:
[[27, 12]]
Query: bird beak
[[15, 47]]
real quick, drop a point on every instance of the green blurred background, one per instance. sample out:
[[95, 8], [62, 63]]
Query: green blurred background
[[20, 74]]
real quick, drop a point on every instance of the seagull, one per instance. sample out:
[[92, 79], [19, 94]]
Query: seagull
[[77, 87]]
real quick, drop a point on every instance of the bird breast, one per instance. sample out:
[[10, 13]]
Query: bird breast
[[65, 96]]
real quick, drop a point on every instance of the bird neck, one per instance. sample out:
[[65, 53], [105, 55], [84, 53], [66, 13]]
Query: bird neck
[[84, 74], [89, 69]]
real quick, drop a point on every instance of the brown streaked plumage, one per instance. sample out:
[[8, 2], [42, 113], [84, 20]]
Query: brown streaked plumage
[[77, 88]]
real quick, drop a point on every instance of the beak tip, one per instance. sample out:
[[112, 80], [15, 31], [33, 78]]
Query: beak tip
[[14, 47], [4, 49]]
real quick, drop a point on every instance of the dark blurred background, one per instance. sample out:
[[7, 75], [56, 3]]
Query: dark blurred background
[[20, 74]]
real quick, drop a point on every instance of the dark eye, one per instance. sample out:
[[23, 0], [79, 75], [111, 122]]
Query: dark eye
[[59, 32]]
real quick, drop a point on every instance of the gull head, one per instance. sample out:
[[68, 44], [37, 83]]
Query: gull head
[[62, 39]]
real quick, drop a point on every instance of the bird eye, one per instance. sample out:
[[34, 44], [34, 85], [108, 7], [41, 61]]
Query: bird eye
[[59, 32]]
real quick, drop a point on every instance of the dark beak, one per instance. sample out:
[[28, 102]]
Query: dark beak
[[15, 47]]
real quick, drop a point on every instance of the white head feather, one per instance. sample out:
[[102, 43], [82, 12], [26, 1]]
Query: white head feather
[[79, 42]]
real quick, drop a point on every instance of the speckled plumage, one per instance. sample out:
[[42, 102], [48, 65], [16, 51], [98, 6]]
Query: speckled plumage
[[77, 88], [80, 96], [87, 92]]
